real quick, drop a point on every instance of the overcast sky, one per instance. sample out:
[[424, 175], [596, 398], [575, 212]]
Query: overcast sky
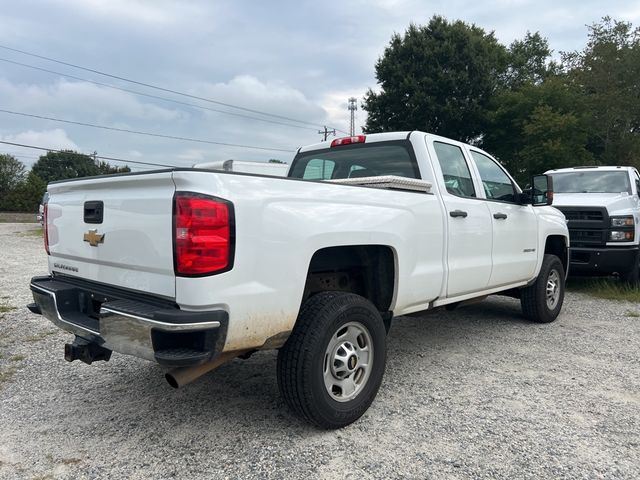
[[298, 59]]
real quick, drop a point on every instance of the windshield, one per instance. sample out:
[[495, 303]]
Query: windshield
[[356, 162], [597, 181]]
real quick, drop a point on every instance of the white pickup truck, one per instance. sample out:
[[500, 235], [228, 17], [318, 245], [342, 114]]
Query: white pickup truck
[[189, 268], [602, 207]]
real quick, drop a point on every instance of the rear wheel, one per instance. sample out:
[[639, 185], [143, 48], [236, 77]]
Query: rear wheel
[[332, 365], [542, 301]]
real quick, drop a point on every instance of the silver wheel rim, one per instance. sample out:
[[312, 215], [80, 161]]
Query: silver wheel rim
[[553, 289], [347, 362]]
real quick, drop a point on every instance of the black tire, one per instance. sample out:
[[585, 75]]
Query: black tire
[[542, 301], [325, 329], [632, 277]]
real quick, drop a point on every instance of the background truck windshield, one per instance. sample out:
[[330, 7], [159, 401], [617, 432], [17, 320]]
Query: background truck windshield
[[591, 182], [356, 162]]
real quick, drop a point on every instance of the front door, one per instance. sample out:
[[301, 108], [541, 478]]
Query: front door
[[515, 227]]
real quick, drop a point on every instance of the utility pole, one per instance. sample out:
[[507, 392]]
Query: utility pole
[[352, 107], [326, 132]]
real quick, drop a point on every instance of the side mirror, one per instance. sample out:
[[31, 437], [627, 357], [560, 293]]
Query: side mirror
[[542, 190], [538, 192]]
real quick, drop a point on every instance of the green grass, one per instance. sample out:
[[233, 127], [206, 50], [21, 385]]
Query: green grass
[[17, 358], [632, 313], [6, 308], [607, 288]]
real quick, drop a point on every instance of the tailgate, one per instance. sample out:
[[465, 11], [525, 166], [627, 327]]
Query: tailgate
[[128, 245]]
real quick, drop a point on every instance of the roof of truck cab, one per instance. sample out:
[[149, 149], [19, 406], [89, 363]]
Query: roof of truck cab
[[601, 168], [371, 138]]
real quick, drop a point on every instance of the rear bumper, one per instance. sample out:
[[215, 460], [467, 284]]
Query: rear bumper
[[603, 261], [134, 325]]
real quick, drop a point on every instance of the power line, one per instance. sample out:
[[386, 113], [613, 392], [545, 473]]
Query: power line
[[156, 87], [137, 132], [166, 99], [326, 132], [113, 159]]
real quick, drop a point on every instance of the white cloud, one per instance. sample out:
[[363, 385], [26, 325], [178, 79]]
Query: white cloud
[[146, 12], [56, 139], [271, 96], [83, 101]]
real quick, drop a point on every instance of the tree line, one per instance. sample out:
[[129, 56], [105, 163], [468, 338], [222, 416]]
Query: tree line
[[531, 110], [22, 190]]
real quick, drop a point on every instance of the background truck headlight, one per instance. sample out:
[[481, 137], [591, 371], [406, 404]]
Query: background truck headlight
[[626, 221], [617, 236]]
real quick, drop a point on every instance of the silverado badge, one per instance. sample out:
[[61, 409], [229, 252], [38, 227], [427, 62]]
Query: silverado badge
[[93, 238]]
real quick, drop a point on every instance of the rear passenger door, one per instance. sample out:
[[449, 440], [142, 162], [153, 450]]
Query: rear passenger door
[[469, 222], [515, 226]]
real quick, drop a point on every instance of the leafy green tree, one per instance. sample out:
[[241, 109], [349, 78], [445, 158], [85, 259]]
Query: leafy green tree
[[26, 196], [65, 164], [529, 62], [439, 78], [519, 137], [606, 74], [553, 139], [12, 173], [106, 168]]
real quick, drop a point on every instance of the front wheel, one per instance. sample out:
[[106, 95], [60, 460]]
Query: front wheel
[[632, 277], [332, 365], [542, 301]]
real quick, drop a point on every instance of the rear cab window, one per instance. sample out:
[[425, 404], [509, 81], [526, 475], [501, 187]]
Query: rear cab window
[[455, 171], [357, 161]]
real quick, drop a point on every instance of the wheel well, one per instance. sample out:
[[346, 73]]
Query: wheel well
[[556, 245], [367, 270]]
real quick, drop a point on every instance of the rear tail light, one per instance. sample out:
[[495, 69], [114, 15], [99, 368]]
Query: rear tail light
[[45, 224], [203, 235], [348, 140]]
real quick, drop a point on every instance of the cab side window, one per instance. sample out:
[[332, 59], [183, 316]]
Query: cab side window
[[496, 183], [457, 177]]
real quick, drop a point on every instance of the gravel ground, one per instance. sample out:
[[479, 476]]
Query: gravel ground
[[474, 393]]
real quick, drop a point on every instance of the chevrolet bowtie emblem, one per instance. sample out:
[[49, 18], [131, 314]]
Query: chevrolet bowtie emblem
[[93, 238]]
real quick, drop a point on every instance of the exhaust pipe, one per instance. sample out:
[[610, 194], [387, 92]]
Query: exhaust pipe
[[179, 377]]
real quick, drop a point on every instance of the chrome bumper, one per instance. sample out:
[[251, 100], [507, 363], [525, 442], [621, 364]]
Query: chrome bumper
[[167, 335]]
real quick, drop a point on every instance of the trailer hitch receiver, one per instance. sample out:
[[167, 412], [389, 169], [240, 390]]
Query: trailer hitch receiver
[[85, 351]]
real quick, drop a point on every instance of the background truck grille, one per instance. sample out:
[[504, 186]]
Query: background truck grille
[[584, 237], [588, 226], [589, 215]]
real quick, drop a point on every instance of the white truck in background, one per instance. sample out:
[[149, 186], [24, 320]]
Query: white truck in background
[[261, 168], [602, 207], [193, 267]]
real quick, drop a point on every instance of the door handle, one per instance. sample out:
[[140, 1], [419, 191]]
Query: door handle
[[458, 213], [500, 216]]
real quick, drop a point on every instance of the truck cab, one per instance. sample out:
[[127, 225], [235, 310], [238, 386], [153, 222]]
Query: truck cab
[[602, 208]]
